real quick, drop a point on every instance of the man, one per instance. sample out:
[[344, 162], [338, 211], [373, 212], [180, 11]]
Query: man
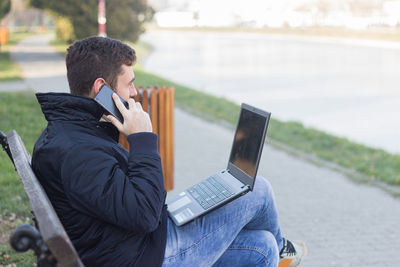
[[112, 202]]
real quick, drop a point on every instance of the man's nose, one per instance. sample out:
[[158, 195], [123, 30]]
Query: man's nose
[[133, 92]]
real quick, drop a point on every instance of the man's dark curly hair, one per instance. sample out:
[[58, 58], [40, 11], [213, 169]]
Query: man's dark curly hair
[[96, 57]]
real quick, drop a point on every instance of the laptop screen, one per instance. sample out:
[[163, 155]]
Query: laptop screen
[[246, 144]]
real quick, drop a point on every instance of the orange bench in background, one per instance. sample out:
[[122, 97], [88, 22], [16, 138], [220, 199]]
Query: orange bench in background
[[159, 103], [3, 35]]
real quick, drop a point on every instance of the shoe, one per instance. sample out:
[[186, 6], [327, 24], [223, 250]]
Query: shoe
[[291, 253]]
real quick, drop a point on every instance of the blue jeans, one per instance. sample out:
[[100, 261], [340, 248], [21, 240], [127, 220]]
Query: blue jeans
[[244, 232]]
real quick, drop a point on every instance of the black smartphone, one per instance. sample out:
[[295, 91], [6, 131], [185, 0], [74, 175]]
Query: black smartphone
[[104, 98]]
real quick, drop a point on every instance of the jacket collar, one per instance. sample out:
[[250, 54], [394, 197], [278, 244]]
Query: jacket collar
[[67, 107]]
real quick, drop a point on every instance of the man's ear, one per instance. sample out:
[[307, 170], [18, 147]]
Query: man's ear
[[98, 83]]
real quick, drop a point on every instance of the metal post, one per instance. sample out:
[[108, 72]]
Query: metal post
[[102, 18]]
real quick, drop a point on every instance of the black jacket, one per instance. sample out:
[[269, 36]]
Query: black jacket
[[110, 201]]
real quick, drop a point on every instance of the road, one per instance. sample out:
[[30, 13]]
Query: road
[[345, 87]]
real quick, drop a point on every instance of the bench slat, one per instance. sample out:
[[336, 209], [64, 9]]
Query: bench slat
[[145, 100], [154, 108], [162, 131], [169, 136]]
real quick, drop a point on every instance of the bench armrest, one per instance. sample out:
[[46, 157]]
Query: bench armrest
[[4, 144], [25, 237]]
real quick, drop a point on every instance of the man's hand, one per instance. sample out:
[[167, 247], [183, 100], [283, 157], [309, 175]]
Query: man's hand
[[136, 120]]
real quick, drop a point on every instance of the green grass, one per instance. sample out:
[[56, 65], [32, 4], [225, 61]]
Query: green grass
[[8, 257], [23, 115], [59, 46], [10, 71]]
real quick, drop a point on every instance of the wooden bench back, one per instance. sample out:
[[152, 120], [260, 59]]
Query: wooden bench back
[[50, 227], [159, 103]]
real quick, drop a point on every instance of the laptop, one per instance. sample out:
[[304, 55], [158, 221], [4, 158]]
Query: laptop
[[234, 181]]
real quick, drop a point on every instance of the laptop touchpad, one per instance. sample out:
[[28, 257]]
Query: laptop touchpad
[[178, 204]]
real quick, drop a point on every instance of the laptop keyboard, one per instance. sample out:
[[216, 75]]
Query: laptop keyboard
[[210, 192]]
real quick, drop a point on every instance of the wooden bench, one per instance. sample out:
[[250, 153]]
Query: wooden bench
[[51, 244], [159, 103]]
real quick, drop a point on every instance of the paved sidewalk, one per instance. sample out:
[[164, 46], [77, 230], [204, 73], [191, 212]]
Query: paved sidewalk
[[342, 223], [43, 69]]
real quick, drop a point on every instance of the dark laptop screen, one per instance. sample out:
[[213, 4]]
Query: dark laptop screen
[[246, 143]]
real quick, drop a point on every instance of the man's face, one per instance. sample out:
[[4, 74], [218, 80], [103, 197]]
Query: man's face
[[125, 87]]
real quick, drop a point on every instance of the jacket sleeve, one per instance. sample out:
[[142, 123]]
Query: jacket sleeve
[[96, 185]]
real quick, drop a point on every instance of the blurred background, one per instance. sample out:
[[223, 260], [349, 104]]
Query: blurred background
[[351, 14], [330, 64], [327, 70]]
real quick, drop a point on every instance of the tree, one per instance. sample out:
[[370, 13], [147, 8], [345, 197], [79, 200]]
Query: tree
[[124, 17], [5, 6]]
